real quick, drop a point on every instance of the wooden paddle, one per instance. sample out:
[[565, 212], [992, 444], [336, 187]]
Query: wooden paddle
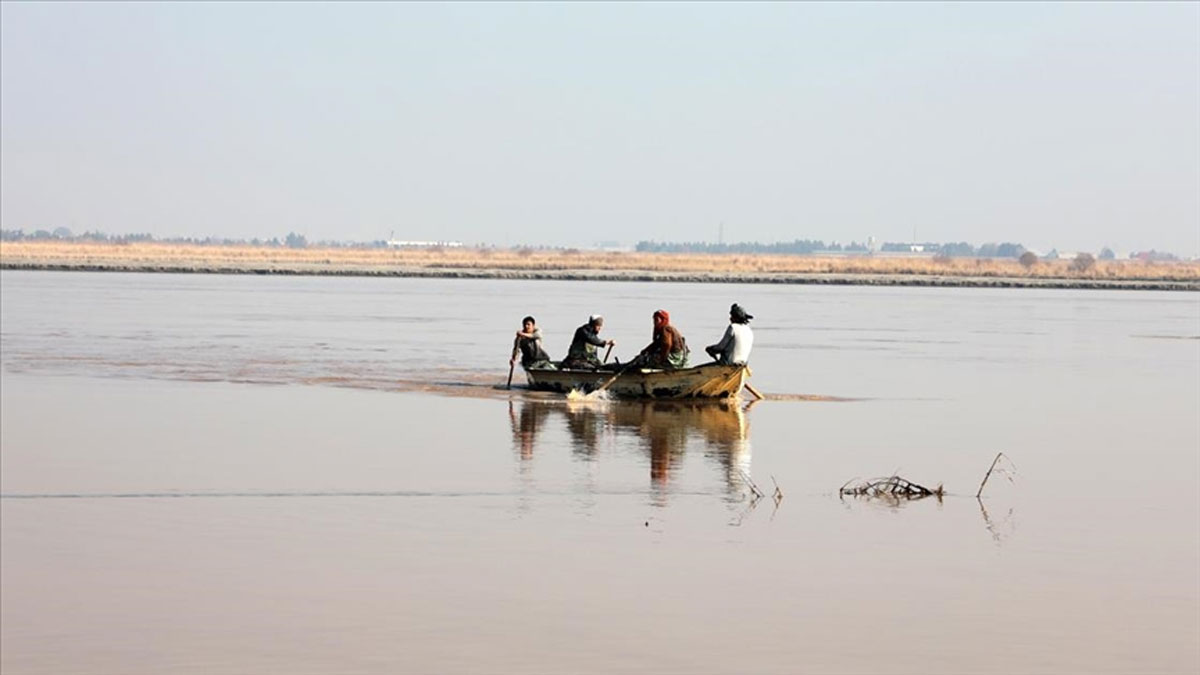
[[607, 353], [614, 377], [750, 388], [513, 364]]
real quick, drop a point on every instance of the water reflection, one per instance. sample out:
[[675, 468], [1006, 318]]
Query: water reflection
[[1000, 529], [662, 430]]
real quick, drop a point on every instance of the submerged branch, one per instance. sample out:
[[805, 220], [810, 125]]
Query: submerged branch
[[891, 486], [895, 487], [1003, 469], [757, 494]]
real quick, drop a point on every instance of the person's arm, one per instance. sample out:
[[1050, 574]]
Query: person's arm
[[650, 347], [596, 339], [724, 345]]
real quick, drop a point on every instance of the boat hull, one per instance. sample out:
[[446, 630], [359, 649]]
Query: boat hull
[[712, 380]]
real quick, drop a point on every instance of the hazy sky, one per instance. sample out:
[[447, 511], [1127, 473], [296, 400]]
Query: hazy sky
[[1072, 125]]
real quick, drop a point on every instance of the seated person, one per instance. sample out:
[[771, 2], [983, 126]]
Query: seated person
[[734, 347], [582, 353], [668, 350], [528, 345]]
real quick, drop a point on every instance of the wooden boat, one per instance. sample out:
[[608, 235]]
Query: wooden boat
[[712, 380]]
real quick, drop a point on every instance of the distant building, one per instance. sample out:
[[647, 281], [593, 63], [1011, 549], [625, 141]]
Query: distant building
[[611, 246], [401, 243]]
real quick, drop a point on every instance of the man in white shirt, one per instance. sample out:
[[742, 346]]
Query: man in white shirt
[[734, 347]]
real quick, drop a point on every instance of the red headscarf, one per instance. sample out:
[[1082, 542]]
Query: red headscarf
[[662, 314]]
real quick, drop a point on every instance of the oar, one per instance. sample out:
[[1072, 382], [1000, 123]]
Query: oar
[[614, 377], [607, 353], [511, 363]]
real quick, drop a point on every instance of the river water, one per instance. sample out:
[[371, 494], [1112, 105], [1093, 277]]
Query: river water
[[227, 474]]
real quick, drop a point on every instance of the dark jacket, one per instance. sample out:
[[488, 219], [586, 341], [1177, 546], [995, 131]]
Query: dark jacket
[[583, 346]]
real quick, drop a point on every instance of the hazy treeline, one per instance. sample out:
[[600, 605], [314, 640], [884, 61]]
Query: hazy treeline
[[799, 246], [809, 246], [960, 249], [291, 240]]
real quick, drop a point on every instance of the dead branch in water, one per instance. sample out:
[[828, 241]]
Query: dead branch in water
[[755, 493], [896, 487], [891, 486], [1003, 470]]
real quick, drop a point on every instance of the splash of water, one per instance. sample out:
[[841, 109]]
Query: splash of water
[[577, 395]]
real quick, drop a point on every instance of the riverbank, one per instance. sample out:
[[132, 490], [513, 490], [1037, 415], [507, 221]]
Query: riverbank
[[593, 266]]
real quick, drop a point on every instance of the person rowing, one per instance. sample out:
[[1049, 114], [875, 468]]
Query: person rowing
[[668, 349], [582, 353], [735, 345], [528, 346]]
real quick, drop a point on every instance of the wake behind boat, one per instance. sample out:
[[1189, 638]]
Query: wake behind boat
[[712, 380]]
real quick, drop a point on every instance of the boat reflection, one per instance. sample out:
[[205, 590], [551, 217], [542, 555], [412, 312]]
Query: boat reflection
[[662, 430]]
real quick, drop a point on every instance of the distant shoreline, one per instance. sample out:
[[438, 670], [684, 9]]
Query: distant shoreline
[[823, 279], [571, 265]]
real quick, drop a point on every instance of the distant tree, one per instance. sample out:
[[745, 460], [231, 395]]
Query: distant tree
[[956, 250], [1028, 259], [294, 240], [62, 233], [989, 250], [1009, 250], [1106, 253], [1083, 262]]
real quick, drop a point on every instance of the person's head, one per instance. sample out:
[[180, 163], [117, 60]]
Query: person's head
[[528, 323], [596, 322], [737, 314], [661, 318]]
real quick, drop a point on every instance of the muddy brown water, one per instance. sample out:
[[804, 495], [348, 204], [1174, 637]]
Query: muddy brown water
[[216, 474]]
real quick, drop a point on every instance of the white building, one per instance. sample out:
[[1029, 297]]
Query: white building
[[402, 243]]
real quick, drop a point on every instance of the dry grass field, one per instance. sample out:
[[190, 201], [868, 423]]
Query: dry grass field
[[161, 256]]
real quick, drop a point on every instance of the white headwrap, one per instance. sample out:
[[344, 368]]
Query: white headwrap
[[594, 318]]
